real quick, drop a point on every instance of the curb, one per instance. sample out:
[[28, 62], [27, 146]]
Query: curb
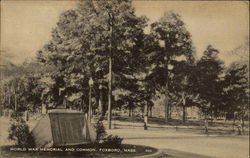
[[150, 155]]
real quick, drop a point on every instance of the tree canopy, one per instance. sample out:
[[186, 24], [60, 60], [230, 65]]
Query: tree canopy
[[96, 35]]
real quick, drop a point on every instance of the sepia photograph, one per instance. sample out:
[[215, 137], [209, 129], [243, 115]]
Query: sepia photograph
[[124, 79]]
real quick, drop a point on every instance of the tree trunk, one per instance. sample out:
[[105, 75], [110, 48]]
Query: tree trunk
[[15, 100], [242, 122], [184, 114], [145, 117], [183, 108], [100, 103], [90, 106], [167, 108], [4, 99], [129, 111], [110, 73], [242, 125], [234, 122], [206, 123], [150, 110], [110, 96], [9, 99], [225, 119]]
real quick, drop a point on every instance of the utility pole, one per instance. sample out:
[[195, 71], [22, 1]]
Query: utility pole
[[111, 17]]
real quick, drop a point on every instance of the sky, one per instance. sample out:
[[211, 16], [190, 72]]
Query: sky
[[26, 25]]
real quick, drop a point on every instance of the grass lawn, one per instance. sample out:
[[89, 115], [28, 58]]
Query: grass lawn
[[216, 127]]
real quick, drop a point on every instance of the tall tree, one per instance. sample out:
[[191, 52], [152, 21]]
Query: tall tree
[[23, 93], [22, 88], [170, 31], [236, 90], [182, 85], [96, 40], [209, 71]]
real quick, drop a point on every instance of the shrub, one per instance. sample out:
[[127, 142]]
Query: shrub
[[16, 116], [112, 141], [20, 134], [100, 131]]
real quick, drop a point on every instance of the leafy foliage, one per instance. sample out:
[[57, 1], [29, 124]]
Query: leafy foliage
[[112, 141], [24, 91], [162, 62], [100, 131], [174, 43], [81, 42], [236, 91], [209, 71], [20, 134]]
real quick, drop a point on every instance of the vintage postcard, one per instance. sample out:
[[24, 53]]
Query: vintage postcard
[[124, 78]]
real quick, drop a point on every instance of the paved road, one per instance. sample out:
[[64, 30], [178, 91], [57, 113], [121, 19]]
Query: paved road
[[172, 141]]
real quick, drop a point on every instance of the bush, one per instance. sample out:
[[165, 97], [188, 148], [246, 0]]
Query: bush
[[112, 141], [100, 131], [20, 134], [16, 116]]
